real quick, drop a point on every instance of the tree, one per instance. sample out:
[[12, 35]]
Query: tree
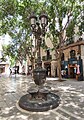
[[14, 21], [15, 13], [70, 33], [60, 11]]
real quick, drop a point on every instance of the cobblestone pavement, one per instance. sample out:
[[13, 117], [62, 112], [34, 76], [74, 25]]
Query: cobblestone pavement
[[71, 93]]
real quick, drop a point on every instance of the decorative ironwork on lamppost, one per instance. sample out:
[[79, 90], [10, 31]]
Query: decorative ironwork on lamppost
[[38, 29]]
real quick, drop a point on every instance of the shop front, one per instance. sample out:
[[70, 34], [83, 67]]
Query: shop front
[[73, 68], [4, 68], [47, 66]]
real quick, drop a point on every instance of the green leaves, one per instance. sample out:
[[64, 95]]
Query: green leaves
[[57, 11], [8, 7], [14, 16], [70, 29]]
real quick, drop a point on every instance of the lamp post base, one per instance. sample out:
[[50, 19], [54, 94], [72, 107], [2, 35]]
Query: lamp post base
[[39, 76], [39, 101]]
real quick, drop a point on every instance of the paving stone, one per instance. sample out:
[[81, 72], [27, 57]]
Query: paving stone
[[71, 93], [3, 104], [68, 116]]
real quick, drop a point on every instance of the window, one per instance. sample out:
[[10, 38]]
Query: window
[[72, 53], [48, 54], [62, 57]]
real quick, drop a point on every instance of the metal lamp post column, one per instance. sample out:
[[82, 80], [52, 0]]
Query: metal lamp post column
[[39, 74]]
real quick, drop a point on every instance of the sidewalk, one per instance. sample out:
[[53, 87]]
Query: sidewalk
[[56, 78], [71, 93]]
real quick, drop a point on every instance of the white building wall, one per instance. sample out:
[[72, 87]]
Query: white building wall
[[7, 70], [76, 36], [48, 42], [82, 56], [50, 45], [0, 46]]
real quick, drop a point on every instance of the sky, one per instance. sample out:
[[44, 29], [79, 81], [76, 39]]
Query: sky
[[5, 39]]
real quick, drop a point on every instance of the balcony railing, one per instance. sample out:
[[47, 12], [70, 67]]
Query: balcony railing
[[35, 60]]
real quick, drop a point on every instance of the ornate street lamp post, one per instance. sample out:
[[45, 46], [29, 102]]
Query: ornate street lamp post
[[39, 99], [38, 29]]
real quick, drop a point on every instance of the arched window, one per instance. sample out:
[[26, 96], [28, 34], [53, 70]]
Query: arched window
[[62, 57], [48, 54], [72, 53]]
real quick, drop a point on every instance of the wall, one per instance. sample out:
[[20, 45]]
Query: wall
[[7, 70], [82, 56], [67, 52]]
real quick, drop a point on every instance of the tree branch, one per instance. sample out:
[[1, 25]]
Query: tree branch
[[69, 15]]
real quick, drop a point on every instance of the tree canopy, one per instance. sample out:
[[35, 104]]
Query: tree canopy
[[14, 20]]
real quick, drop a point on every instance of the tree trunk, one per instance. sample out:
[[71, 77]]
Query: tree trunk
[[59, 60], [59, 64], [32, 65]]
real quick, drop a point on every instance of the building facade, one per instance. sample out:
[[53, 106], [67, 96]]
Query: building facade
[[4, 65], [72, 60]]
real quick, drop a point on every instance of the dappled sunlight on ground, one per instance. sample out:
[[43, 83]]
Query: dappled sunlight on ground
[[71, 95]]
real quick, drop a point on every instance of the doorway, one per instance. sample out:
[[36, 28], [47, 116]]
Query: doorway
[[72, 71], [47, 66]]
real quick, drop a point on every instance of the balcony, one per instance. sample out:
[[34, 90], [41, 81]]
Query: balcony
[[46, 58], [35, 60]]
